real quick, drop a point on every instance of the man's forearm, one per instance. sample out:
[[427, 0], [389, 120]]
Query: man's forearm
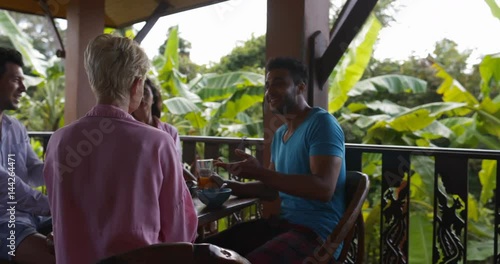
[[252, 189], [306, 186]]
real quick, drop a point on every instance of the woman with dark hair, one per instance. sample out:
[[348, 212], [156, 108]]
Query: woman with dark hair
[[149, 112], [157, 102]]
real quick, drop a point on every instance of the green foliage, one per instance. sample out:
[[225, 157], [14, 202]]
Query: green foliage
[[434, 101], [392, 83], [384, 10], [210, 104], [42, 108], [251, 56], [128, 32], [490, 76], [21, 42], [186, 66], [352, 65], [488, 180], [420, 251], [46, 102], [494, 7]]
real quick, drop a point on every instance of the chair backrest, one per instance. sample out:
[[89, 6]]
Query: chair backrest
[[185, 253], [350, 229]]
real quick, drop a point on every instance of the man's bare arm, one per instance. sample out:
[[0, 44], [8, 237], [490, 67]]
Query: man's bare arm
[[320, 185], [253, 189]]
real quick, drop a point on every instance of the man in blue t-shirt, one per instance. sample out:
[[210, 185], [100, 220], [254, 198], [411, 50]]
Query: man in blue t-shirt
[[307, 171]]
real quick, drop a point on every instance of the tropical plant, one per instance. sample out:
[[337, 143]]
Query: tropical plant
[[459, 119], [210, 104], [250, 56], [42, 107]]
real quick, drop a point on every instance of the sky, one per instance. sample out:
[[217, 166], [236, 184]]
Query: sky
[[215, 30]]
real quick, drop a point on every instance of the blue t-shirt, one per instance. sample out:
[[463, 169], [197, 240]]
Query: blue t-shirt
[[319, 134]]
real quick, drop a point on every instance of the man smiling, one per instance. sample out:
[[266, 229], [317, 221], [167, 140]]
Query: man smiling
[[22, 207], [307, 172]]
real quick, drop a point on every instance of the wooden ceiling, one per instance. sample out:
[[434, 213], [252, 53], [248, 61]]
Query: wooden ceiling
[[119, 13]]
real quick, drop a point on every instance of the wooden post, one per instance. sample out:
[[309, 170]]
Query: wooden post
[[85, 21], [290, 26]]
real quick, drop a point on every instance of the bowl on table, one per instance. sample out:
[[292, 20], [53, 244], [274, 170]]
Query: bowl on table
[[213, 198]]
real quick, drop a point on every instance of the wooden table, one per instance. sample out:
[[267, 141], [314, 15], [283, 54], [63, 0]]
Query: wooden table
[[232, 205]]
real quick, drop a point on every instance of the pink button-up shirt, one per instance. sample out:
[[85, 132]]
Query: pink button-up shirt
[[172, 131], [114, 185]]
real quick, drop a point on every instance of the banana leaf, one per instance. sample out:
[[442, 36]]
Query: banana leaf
[[420, 239], [453, 91], [462, 128], [413, 120], [480, 250], [494, 7], [180, 106], [423, 165], [356, 107], [491, 142], [22, 43], [386, 107], [489, 70], [392, 83], [434, 131], [197, 121], [489, 123], [172, 49], [240, 101], [216, 87], [487, 177], [422, 116], [366, 121], [352, 65], [382, 132]]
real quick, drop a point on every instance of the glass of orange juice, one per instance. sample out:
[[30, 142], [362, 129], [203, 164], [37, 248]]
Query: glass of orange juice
[[204, 167]]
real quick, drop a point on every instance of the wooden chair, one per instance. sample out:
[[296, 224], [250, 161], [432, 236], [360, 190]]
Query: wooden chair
[[185, 253], [350, 230]]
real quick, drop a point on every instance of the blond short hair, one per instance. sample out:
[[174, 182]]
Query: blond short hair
[[112, 64]]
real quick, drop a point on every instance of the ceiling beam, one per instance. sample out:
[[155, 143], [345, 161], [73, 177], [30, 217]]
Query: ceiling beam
[[151, 20], [348, 24], [60, 52]]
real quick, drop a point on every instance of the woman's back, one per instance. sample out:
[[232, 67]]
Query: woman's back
[[117, 186]]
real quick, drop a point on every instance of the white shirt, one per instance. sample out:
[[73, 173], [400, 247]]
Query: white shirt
[[28, 171]]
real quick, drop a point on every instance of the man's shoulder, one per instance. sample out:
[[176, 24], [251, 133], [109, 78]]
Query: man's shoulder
[[320, 112], [323, 117], [10, 119], [14, 122]]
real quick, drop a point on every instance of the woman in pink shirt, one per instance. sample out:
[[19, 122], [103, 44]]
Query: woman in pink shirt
[[115, 184]]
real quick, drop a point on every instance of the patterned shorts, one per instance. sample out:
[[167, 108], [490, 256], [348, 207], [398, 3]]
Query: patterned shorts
[[293, 246]]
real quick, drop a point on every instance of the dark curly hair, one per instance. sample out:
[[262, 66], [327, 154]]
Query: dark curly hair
[[298, 70], [155, 110], [9, 56]]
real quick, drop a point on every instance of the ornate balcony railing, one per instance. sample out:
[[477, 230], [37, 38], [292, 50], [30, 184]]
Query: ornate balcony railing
[[462, 203]]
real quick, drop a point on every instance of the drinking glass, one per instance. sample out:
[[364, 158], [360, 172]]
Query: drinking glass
[[204, 167]]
